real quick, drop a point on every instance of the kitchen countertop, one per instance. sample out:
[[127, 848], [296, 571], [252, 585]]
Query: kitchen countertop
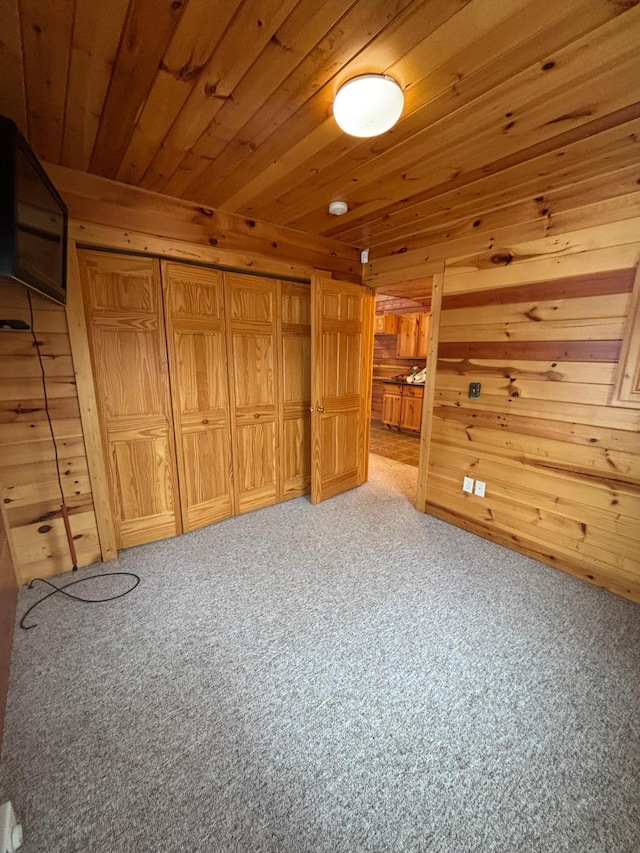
[[398, 382]]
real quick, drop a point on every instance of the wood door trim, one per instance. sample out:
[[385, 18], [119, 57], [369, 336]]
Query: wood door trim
[[429, 390]]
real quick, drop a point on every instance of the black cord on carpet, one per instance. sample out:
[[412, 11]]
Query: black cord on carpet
[[61, 590]]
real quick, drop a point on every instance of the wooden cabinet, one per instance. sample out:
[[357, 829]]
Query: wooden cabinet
[[203, 381], [422, 346], [385, 324], [413, 335], [411, 412], [402, 406], [392, 405]]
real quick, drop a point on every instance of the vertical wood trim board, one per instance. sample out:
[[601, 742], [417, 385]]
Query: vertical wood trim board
[[30, 493], [367, 378], [429, 391], [627, 386]]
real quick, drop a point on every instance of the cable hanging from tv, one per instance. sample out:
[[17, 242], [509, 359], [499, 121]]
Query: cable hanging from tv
[[64, 511]]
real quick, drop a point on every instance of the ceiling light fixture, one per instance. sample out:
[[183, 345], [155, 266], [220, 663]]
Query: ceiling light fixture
[[368, 105], [338, 208]]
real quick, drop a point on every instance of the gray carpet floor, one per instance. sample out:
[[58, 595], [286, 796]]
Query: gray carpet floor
[[354, 676]]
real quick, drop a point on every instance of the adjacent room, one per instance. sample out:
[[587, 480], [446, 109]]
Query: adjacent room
[[320, 426]]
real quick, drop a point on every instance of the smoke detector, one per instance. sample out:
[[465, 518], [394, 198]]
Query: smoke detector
[[338, 208]]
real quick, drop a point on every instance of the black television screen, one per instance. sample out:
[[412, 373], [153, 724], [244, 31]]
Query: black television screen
[[33, 219]]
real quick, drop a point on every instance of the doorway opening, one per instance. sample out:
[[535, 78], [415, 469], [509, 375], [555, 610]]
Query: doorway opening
[[401, 339]]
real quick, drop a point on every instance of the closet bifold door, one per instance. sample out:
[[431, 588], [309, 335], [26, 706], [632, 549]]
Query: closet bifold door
[[254, 388], [123, 303], [196, 339], [295, 360]]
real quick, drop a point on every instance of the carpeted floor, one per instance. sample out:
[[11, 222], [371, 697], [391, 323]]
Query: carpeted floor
[[349, 677]]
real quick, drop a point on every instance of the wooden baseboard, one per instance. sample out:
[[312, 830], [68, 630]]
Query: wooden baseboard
[[530, 549]]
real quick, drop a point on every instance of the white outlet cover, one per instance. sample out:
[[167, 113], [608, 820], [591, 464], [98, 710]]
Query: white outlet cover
[[480, 487], [467, 485]]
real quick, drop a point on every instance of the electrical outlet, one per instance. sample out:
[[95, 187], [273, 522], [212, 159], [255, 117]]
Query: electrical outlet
[[480, 487], [467, 485]]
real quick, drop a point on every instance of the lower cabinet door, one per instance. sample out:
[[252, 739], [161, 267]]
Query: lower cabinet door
[[411, 414], [392, 408]]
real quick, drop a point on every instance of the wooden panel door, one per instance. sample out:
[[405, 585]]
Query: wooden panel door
[[254, 388], [342, 367], [123, 302], [295, 361], [196, 338]]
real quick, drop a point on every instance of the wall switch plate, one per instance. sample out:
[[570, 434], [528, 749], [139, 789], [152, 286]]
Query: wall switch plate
[[480, 487], [474, 390], [467, 485]]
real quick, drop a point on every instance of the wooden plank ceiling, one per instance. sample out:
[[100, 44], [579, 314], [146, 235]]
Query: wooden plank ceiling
[[511, 106]]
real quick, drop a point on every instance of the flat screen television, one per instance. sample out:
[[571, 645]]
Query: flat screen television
[[33, 219]]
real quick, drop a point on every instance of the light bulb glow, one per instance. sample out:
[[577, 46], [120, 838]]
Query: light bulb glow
[[368, 105]]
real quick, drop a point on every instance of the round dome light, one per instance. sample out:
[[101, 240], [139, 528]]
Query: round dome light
[[368, 105], [338, 208]]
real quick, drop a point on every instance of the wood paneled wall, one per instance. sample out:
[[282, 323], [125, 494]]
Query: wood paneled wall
[[562, 466], [540, 325], [27, 465], [399, 305], [109, 214]]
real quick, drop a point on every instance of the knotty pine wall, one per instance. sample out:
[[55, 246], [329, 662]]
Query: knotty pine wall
[[540, 325], [30, 491], [562, 466]]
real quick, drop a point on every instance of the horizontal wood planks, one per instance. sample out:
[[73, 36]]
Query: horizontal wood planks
[[30, 492], [233, 240], [560, 463]]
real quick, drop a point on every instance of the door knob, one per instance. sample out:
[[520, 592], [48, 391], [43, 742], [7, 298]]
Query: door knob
[[319, 409]]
